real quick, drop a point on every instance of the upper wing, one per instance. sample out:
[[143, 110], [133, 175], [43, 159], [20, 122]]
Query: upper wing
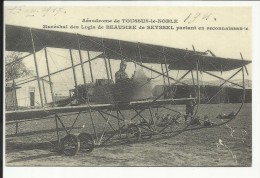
[[20, 39], [208, 63]]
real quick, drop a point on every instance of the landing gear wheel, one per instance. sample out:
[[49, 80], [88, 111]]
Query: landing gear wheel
[[86, 142], [133, 133], [70, 145], [145, 131]]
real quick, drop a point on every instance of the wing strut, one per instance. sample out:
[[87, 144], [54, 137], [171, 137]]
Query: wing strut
[[36, 67], [166, 68], [104, 51], [163, 75], [244, 65], [73, 69], [90, 67], [81, 61], [48, 70], [15, 105]]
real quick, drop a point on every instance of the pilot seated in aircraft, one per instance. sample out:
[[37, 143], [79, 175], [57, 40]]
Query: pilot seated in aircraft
[[121, 75]]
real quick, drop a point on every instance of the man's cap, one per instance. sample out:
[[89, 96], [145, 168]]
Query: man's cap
[[123, 62]]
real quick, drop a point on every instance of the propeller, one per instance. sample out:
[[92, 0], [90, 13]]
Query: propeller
[[244, 65]]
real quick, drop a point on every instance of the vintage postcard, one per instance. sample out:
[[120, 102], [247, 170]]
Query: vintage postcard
[[127, 85]]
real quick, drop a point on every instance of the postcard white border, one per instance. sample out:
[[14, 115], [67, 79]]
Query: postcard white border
[[156, 172]]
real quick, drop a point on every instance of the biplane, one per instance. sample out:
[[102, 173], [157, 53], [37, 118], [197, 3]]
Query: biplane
[[153, 116]]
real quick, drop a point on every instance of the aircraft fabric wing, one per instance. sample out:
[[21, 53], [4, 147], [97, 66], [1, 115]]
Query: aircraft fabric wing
[[20, 39], [208, 63], [39, 113], [159, 102]]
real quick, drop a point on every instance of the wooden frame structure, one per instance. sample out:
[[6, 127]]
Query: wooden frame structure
[[139, 126]]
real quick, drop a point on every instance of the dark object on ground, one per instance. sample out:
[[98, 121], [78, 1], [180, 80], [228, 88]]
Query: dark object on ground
[[207, 123], [195, 121], [229, 116]]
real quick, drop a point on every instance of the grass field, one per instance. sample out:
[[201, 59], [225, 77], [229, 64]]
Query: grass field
[[227, 145]]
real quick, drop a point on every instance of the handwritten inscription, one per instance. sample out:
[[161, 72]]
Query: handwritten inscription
[[31, 11], [194, 17]]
